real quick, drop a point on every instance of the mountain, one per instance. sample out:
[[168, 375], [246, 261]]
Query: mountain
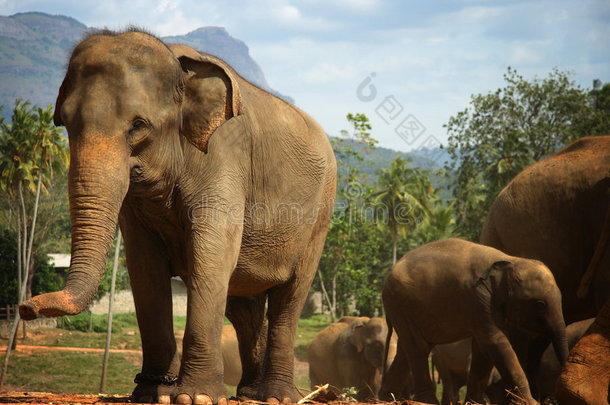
[[35, 47]]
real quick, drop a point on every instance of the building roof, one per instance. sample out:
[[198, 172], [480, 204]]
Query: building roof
[[59, 260]]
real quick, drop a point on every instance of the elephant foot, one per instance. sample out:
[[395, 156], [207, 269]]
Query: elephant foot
[[248, 392], [199, 394], [153, 388], [279, 392], [150, 390]]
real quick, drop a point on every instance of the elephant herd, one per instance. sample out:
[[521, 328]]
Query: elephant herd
[[493, 314], [217, 181]]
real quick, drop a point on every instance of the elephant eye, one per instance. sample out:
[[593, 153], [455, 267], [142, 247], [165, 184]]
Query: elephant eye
[[137, 124], [540, 305], [135, 135]]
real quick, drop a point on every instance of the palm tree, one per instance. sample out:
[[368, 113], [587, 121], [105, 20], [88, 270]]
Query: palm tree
[[402, 199], [29, 147]]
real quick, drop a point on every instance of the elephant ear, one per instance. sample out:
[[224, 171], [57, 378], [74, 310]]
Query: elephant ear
[[211, 95], [59, 102], [357, 335], [496, 283]]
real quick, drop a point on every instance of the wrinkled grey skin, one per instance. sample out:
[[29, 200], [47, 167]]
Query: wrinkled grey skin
[[452, 289], [349, 353], [211, 179]]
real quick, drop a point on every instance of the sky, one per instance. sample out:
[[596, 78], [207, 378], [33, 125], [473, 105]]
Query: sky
[[408, 65]]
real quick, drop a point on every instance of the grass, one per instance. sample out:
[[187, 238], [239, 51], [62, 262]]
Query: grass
[[80, 372], [307, 329]]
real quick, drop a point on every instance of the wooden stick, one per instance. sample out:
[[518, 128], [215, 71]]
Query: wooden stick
[[313, 393]]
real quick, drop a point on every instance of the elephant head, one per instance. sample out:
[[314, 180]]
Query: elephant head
[[128, 102], [369, 340], [525, 297]]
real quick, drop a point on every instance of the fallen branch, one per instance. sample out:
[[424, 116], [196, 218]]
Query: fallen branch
[[312, 394]]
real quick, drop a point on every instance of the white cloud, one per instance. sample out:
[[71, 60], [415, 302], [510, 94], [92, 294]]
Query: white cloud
[[431, 55], [525, 55]]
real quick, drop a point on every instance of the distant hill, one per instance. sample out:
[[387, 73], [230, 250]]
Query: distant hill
[[35, 47]]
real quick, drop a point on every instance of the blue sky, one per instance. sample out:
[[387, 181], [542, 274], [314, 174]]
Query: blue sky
[[408, 65]]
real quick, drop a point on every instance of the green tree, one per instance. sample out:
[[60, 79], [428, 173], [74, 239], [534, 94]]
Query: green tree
[[503, 132], [340, 267], [31, 150], [404, 196]]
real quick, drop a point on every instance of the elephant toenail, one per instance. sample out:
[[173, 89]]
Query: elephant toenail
[[184, 399], [273, 401], [223, 401], [165, 399], [201, 399]]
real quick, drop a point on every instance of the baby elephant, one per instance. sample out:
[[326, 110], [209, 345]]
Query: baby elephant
[[452, 289], [349, 353]]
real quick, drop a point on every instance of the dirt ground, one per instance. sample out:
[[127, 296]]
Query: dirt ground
[[75, 399]]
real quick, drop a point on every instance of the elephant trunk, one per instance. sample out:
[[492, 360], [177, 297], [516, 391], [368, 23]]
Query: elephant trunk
[[560, 345], [97, 186]]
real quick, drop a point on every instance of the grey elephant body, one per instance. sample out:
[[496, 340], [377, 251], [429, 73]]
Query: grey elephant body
[[349, 353], [452, 289], [211, 179]]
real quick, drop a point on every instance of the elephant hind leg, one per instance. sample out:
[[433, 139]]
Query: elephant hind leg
[[248, 319], [285, 303], [396, 381]]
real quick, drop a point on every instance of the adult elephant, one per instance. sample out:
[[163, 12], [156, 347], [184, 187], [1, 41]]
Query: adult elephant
[[558, 211], [211, 179], [452, 289], [349, 353]]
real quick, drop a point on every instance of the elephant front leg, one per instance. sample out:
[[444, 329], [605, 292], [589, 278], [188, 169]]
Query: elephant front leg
[[478, 376], [214, 255], [149, 273], [497, 346]]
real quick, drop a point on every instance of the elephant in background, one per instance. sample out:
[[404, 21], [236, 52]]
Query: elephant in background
[[558, 211], [350, 353], [230, 356], [211, 179], [452, 289]]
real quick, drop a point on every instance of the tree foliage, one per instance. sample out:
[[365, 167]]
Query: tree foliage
[[504, 131], [372, 216]]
